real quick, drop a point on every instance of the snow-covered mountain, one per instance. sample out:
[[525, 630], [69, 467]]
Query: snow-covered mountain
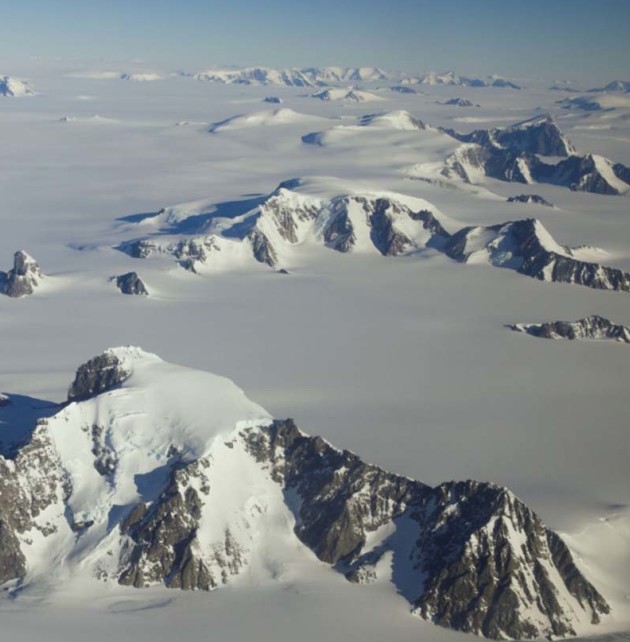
[[398, 119], [332, 76], [621, 86], [346, 95], [527, 247], [274, 231], [450, 78], [593, 327], [257, 76], [266, 118], [154, 474], [537, 135], [598, 102], [512, 154], [459, 102], [305, 213], [13, 87]]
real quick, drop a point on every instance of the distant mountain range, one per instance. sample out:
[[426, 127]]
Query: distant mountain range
[[331, 76]]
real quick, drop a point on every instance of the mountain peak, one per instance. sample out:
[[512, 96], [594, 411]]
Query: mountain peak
[[106, 371]]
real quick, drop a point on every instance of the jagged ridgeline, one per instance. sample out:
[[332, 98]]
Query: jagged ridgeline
[[512, 154], [154, 474], [277, 228]]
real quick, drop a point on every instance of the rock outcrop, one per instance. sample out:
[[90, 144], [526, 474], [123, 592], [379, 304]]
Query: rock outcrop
[[23, 278], [534, 199], [131, 283], [527, 247], [589, 328], [98, 375]]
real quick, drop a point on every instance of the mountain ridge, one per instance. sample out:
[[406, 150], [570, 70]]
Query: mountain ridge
[[140, 499]]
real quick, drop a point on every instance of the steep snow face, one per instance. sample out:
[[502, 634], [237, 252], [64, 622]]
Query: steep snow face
[[13, 87], [299, 213], [604, 168]]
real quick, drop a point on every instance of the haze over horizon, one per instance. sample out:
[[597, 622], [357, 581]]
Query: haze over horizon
[[576, 39]]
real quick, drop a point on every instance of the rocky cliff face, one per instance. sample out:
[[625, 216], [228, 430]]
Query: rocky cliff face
[[124, 497], [540, 135], [479, 560], [527, 247], [512, 155], [593, 327], [98, 375], [23, 278]]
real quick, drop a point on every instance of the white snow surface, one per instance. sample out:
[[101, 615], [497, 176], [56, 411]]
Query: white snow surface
[[267, 118], [14, 87], [402, 360]]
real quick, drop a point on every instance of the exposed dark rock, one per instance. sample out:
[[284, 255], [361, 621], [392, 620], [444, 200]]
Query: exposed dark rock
[[584, 174], [470, 573], [460, 102], [529, 198], [29, 484], [622, 172], [23, 278], [12, 560], [262, 248], [593, 327], [404, 89], [97, 375], [139, 249], [131, 283], [504, 84], [622, 86], [164, 546], [517, 245], [273, 99], [539, 135], [339, 232], [579, 173]]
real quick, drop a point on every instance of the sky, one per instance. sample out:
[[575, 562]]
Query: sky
[[579, 39]]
